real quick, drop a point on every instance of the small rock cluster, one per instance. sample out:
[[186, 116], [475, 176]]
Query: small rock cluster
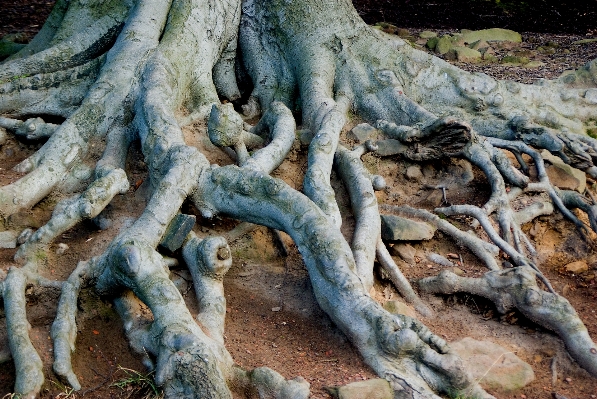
[[474, 46]]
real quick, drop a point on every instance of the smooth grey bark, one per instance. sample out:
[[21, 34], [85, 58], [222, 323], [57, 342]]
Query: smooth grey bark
[[142, 62]]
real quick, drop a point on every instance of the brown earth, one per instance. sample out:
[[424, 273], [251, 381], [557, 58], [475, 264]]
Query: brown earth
[[272, 316]]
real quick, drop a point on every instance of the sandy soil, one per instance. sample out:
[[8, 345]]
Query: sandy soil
[[273, 319]]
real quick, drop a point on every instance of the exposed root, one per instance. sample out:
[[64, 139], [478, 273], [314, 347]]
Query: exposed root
[[208, 261], [64, 328], [56, 93], [71, 211], [517, 288], [28, 364], [482, 249]]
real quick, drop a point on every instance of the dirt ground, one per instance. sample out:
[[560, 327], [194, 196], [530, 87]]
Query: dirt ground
[[272, 317]]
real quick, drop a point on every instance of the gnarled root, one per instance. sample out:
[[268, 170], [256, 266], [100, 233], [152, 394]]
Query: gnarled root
[[517, 288]]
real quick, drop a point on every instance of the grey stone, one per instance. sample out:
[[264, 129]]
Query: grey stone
[[396, 228], [492, 365], [404, 251], [389, 147], [177, 231], [427, 34], [362, 132], [8, 239], [369, 389], [413, 173]]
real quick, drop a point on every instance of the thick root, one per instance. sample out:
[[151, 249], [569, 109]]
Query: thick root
[[517, 288]]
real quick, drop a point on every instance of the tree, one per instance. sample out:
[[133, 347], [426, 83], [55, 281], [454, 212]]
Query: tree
[[118, 71]]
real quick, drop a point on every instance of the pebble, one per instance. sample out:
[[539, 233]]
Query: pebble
[[62, 248], [276, 309]]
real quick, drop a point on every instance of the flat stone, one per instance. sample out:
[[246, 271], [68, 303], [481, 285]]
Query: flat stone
[[414, 173], [577, 267], [534, 64], [491, 35], [494, 366], [444, 44], [369, 389], [177, 231], [563, 175], [463, 54], [405, 251], [515, 59], [397, 307], [427, 34], [585, 41], [396, 228], [8, 239], [389, 147], [362, 132]]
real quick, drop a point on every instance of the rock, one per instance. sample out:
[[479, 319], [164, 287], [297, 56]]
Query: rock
[[457, 271], [428, 171], [434, 199], [427, 34], [403, 33], [585, 41], [370, 389], [397, 307], [8, 239], [534, 64], [577, 267], [493, 366], [478, 45], [444, 44], [432, 43], [414, 173], [177, 231], [463, 54], [362, 132], [563, 175], [389, 147], [404, 251], [515, 59], [62, 248], [396, 228], [491, 35]]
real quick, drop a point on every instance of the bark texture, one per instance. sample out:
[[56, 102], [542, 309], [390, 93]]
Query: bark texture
[[119, 72]]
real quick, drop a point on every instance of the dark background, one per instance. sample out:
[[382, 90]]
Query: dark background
[[570, 16]]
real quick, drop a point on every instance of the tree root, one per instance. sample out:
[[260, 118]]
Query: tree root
[[517, 288], [172, 55], [27, 362]]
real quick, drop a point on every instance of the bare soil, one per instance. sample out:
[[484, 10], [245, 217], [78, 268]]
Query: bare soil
[[272, 317]]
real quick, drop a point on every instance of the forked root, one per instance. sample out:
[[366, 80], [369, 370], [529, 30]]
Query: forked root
[[517, 288]]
